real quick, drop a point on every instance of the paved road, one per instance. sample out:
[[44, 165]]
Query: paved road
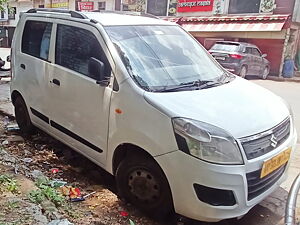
[[290, 91], [271, 210]]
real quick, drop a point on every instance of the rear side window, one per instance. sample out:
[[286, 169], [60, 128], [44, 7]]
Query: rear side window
[[248, 50], [74, 48], [36, 39]]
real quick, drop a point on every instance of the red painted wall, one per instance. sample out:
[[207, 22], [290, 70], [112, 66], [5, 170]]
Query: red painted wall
[[284, 7], [273, 48]]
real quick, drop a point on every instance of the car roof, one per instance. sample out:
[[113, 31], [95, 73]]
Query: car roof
[[237, 43], [105, 18], [115, 18]]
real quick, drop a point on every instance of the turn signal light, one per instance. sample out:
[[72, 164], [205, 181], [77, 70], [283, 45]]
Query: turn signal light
[[236, 56]]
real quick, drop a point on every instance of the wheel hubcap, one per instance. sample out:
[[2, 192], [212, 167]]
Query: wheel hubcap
[[243, 72], [144, 186]]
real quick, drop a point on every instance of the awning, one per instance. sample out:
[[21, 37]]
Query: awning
[[233, 23]]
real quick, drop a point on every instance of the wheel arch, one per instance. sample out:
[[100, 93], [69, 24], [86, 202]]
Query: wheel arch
[[14, 96], [125, 149]]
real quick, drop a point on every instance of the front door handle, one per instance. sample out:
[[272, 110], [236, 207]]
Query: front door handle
[[55, 81], [23, 66]]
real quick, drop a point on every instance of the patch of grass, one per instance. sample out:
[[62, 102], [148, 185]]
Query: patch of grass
[[13, 205], [9, 183], [45, 191], [69, 210]]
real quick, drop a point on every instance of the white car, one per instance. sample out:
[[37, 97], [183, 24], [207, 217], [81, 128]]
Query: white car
[[145, 101]]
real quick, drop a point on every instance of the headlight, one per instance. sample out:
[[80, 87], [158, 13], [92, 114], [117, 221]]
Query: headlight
[[208, 142]]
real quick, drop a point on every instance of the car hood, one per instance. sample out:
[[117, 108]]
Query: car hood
[[240, 107]]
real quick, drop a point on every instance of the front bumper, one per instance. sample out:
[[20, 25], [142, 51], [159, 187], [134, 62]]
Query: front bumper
[[183, 171]]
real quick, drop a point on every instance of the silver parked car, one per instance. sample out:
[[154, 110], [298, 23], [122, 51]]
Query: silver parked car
[[241, 58]]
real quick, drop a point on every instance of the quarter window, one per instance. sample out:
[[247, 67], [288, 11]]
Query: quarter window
[[74, 48], [36, 39], [255, 52]]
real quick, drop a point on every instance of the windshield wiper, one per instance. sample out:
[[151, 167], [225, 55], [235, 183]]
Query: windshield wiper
[[198, 84]]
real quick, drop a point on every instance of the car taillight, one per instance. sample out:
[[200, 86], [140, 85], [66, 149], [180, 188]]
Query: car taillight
[[236, 56]]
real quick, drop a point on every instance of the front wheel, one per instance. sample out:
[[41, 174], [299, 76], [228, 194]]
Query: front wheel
[[265, 73], [142, 182]]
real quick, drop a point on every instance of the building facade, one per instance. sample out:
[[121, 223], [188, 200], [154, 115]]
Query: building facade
[[272, 25]]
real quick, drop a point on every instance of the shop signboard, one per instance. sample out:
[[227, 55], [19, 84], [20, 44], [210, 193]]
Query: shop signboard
[[58, 4], [195, 5], [86, 6]]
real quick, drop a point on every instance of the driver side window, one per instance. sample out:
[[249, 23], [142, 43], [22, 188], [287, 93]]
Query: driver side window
[[74, 48]]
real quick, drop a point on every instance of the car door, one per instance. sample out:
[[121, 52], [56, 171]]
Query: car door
[[32, 64], [257, 61], [80, 106], [249, 61]]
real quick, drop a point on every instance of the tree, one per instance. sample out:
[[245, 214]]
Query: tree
[[3, 5]]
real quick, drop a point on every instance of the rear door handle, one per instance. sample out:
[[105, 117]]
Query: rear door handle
[[23, 66], [55, 81]]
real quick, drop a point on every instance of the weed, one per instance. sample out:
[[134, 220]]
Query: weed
[[75, 214], [12, 205], [44, 191], [9, 183], [36, 196]]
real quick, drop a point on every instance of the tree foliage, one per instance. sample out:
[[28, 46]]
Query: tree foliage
[[3, 5]]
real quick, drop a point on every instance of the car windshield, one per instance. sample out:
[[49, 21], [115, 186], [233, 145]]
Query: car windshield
[[225, 47], [162, 57]]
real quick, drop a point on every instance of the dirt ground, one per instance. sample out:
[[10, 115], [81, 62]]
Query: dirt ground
[[23, 157]]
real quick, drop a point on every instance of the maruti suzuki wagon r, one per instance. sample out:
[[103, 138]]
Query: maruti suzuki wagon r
[[141, 98]]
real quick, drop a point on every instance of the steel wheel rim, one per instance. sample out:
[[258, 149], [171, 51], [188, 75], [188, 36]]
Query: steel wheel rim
[[243, 72], [265, 74], [143, 186]]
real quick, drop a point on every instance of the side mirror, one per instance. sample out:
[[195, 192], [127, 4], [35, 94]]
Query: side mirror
[[264, 55], [97, 70], [8, 58]]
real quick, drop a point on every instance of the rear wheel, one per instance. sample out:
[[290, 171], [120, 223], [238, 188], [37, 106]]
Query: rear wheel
[[243, 72], [22, 116], [265, 73], [142, 182]]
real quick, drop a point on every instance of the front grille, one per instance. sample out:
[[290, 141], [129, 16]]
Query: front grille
[[261, 144], [257, 185]]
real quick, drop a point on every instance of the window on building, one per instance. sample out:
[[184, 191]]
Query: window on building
[[101, 5], [41, 6], [157, 7], [244, 6], [74, 48], [12, 13], [36, 39]]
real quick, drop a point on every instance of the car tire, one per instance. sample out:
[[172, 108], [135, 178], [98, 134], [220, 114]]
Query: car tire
[[265, 72], [22, 116], [243, 72], [141, 182]]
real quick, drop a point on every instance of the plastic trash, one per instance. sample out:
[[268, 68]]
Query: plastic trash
[[6, 120], [12, 127], [54, 170]]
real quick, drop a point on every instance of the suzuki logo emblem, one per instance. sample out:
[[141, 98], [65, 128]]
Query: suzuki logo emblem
[[273, 141]]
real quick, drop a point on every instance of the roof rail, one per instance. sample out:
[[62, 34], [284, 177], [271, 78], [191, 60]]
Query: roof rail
[[71, 12], [131, 13]]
